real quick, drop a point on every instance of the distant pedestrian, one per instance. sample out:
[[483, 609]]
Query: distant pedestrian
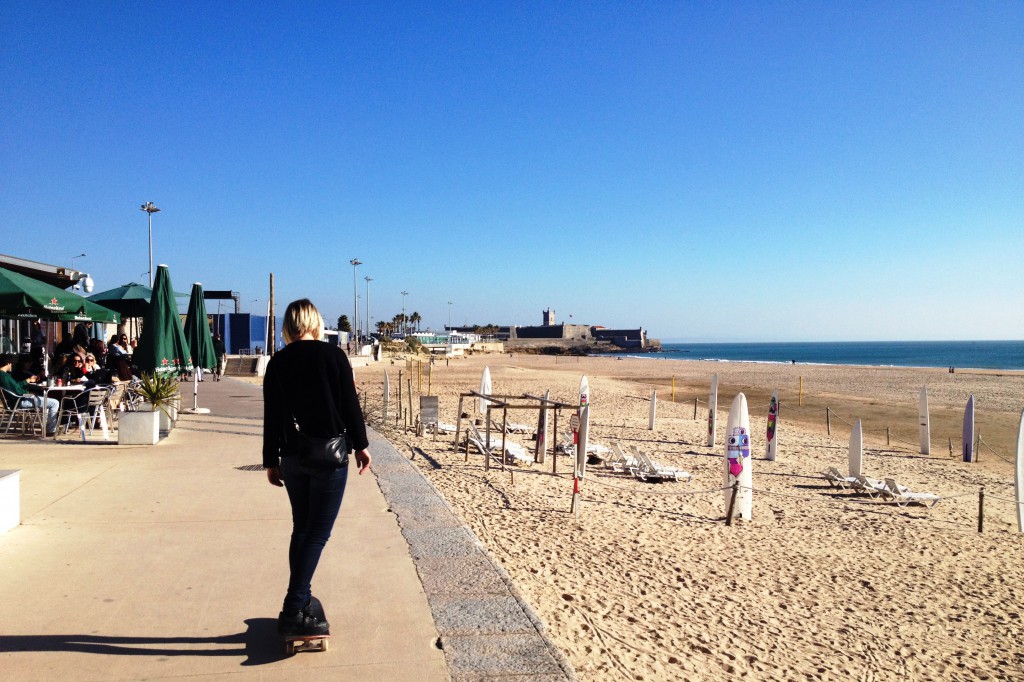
[[309, 388], [220, 352]]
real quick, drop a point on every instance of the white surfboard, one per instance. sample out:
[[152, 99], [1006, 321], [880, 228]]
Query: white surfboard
[[738, 462], [654, 409], [856, 449], [925, 421], [712, 410], [581, 446], [1019, 473], [772, 446], [485, 389], [967, 438], [584, 391]]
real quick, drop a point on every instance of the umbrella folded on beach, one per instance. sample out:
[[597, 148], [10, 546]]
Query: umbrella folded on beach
[[162, 347], [22, 296]]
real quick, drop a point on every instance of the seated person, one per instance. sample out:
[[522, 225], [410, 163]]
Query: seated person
[[73, 371], [24, 398], [95, 374], [116, 347], [23, 368]]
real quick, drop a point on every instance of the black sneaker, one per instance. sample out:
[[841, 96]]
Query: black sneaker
[[314, 612]]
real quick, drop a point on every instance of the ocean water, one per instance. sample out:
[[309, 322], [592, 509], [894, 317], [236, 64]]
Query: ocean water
[[962, 354]]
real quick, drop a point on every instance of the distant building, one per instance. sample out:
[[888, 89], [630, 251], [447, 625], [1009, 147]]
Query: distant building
[[549, 318]]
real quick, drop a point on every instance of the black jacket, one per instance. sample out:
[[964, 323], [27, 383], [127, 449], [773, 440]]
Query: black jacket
[[311, 381]]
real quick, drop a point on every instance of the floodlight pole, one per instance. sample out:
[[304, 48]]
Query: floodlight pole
[[355, 299], [368, 280], [149, 208], [404, 294], [449, 316]]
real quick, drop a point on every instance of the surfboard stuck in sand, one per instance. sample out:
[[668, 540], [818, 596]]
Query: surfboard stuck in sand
[[738, 462]]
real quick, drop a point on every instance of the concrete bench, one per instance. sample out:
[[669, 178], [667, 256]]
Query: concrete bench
[[10, 499]]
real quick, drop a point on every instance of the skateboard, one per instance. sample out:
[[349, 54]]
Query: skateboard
[[293, 645]]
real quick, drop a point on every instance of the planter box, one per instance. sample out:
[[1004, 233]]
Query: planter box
[[10, 499], [167, 422], [139, 428]]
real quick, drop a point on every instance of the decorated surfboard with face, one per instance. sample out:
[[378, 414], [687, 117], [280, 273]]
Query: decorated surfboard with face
[[738, 462]]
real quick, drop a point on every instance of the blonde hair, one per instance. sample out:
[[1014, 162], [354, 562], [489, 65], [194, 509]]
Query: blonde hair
[[301, 318]]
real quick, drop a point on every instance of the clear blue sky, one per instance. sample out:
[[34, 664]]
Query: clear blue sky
[[709, 171]]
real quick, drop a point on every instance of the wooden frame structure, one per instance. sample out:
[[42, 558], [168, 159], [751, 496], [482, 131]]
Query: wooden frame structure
[[506, 403]]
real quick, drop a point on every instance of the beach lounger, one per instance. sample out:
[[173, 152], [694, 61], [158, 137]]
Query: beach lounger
[[836, 479], [871, 487], [650, 469], [621, 461], [514, 452], [442, 427], [902, 495]]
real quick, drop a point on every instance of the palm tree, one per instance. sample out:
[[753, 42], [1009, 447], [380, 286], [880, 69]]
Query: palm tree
[[343, 324], [415, 319]]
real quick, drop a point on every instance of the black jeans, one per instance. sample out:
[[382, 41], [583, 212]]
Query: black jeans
[[315, 497]]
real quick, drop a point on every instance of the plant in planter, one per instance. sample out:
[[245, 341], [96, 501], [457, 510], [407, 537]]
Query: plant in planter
[[161, 392]]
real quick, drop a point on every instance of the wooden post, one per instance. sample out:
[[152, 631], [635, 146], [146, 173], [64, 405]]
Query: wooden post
[[801, 391], [398, 416], [272, 327], [977, 450], [887, 441], [694, 409], [951, 447], [408, 397], [981, 508], [504, 434], [458, 427], [554, 444], [732, 502], [487, 438], [673, 388], [828, 422]]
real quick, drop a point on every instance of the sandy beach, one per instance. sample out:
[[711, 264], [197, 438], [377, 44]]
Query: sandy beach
[[648, 583]]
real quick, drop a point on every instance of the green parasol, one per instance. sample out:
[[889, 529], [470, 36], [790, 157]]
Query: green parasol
[[22, 296], [197, 331], [162, 347], [200, 341]]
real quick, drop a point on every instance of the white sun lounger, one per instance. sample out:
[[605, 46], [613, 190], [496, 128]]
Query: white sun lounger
[[650, 469], [514, 452], [836, 479], [621, 461], [902, 495], [872, 487]]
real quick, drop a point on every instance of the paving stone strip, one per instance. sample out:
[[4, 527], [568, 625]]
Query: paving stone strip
[[487, 630]]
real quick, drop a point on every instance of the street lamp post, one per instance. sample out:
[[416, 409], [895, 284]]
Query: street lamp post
[[149, 208], [368, 280], [449, 315], [81, 255], [355, 300], [404, 294]]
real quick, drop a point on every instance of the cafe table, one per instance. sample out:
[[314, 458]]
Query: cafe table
[[65, 391]]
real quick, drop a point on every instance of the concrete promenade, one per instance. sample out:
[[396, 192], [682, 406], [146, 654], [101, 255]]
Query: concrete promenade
[[170, 561]]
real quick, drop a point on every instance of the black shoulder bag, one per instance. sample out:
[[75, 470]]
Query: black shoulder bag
[[319, 453]]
